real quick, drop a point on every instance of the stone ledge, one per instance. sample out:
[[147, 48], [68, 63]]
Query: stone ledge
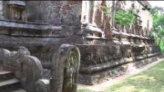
[[24, 25], [96, 78]]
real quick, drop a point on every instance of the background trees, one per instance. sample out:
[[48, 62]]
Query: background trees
[[158, 26]]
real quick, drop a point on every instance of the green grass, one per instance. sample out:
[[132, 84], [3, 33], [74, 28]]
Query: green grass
[[162, 47], [84, 90], [151, 80]]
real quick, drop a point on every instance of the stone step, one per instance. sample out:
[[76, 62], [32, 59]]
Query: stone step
[[2, 72], [19, 90], [5, 75], [9, 82]]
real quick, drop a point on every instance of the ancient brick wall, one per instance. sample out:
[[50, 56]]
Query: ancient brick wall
[[55, 12], [65, 13]]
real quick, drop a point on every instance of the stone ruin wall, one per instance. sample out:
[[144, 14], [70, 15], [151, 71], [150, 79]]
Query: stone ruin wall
[[65, 13], [94, 54], [57, 13], [101, 56], [111, 53], [96, 45]]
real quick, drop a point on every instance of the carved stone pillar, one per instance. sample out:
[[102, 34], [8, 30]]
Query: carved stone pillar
[[1, 10], [65, 69], [85, 12], [116, 36], [28, 69], [96, 13]]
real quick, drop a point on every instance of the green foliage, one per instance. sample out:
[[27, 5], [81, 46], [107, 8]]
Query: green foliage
[[158, 19], [123, 17], [158, 24]]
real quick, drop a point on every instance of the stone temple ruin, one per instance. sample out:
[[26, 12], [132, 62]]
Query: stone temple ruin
[[112, 49], [47, 45]]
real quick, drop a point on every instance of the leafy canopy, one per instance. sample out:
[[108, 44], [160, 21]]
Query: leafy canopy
[[158, 24], [123, 17]]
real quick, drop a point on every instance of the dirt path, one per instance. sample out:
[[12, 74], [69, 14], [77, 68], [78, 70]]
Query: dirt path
[[110, 82]]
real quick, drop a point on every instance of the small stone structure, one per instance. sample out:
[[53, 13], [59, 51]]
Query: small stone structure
[[106, 48]]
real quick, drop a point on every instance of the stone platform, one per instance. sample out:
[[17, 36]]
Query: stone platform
[[100, 62]]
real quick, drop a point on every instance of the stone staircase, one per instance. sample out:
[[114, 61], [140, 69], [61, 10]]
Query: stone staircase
[[8, 82], [22, 72]]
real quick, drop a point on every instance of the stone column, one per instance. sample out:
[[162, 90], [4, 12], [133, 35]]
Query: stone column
[[85, 12], [1, 10]]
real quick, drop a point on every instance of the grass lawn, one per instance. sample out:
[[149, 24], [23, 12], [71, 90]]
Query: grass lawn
[[151, 80]]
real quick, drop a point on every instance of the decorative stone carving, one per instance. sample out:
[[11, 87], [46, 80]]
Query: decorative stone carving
[[115, 36], [4, 55], [91, 31], [65, 67], [11, 57], [29, 67]]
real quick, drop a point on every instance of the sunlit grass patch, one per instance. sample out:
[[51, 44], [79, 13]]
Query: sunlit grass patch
[[151, 80]]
